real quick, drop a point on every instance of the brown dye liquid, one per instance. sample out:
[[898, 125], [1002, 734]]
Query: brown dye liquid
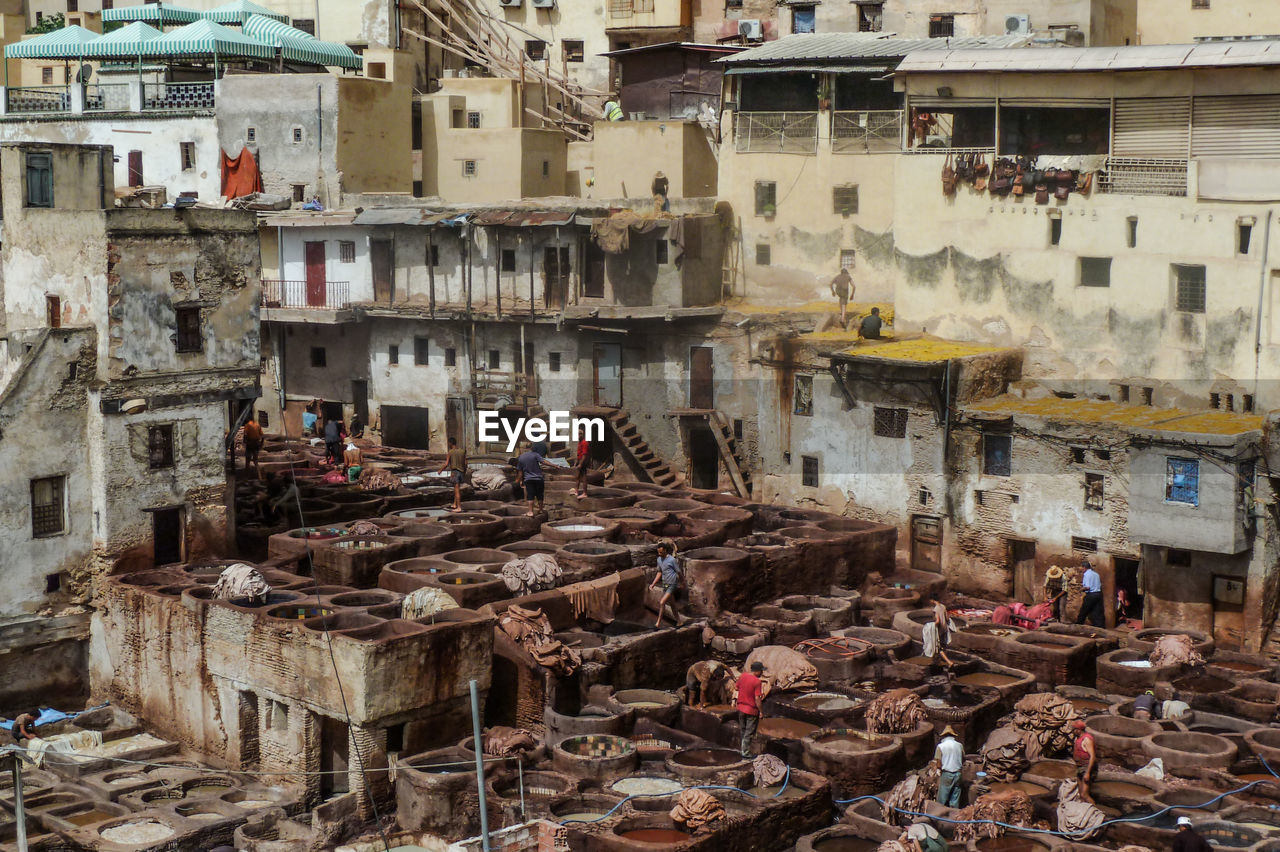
[[706, 757], [1257, 776], [1231, 665], [1119, 790], [846, 844], [767, 793], [663, 836], [1028, 787], [919, 661], [846, 742], [720, 708], [1088, 705], [786, 728], [1051, 769], [87, 818], [986, 679]]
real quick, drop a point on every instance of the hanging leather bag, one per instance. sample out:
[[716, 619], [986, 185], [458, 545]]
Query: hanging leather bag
[[948, 177], [1042, 193]]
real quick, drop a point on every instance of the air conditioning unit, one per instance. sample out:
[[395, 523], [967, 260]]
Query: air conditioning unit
[[750, 29], [510, 2], [1017, 25], [543, 4]]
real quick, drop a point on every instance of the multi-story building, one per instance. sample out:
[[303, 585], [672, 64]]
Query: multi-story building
[[1182, 21], [126, 362]]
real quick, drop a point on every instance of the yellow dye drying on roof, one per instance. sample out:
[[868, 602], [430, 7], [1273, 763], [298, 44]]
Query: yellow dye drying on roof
[[923, 349], [855, 311], [850, 336], [1119, 414]]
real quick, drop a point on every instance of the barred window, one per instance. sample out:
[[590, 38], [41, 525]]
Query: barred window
[[809, 471], [346, 251], [160, 446], [189, 337], [1084, 545], [1093, 491], [890, 422], [844, 199], [1189, 292], [48, 513], [1182, 481]]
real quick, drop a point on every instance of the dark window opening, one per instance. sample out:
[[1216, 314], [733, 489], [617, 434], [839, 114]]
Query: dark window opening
[[53, 311], [1124, 393], [953, 127], [553, 362], [1190, 287], [39, 179], [1147, 394], [473, 120], [307, 25], [1051, 130], [1055, 231], [536, 49], [1102, 455], [844, 199], [809, 471], [421, 351], [1215, 400], [764, 254], [870, 17], [1246, 404], [319, 358], [1131, 231], [942, 26], [766, 198], [393, 354], [48, 516], [1095, 271], [435, 255], [661, 251], [395, 738], [299, 193], [1077, 455], [1178, 557], [737, 428], [188, 152], [160, 446], [495, 359], [52, 583], [1084, 545], [1244, 235], [46, 76], [997, 452], [263, 419], [508, 260], [451, 357], [574, 51], [346, 251], [189, 338], [889, 422]]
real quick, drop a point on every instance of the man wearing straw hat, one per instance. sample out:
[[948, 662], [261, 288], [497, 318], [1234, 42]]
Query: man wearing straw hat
[[950, 757], [1055, 590]]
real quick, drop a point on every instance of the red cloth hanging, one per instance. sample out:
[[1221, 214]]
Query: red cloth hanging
[[240, 175]]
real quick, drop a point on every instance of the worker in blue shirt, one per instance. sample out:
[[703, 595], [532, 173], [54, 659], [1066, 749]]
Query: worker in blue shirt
[[669, 575], [1091, 607]]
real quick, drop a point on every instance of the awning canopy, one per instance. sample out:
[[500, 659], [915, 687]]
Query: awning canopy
[[130, 40], [298, 46], [66, 43], [205, 38], [155, 13], [239, 11], [808, 67]]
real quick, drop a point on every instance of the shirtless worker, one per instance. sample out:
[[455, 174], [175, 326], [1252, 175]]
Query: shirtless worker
[[708, 682], [842, 287], [353, 461]]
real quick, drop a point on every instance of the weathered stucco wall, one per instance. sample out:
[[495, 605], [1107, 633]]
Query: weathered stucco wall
[[627, 155], [1161, 22]]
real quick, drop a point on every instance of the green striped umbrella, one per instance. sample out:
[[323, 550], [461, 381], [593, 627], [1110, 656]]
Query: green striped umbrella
[[126, 41], [66, 43], [205, 38], [298, 46], [156, 13], [239, 11]]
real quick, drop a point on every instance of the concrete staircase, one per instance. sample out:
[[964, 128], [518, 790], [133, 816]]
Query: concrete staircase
[[646, 462]]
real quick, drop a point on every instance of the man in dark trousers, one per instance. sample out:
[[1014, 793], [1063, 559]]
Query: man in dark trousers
[[751, 689], [1188, 839], [1091, 606], [333, 441]]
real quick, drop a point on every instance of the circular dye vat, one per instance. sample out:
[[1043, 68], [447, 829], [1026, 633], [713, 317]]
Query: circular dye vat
[[655, 836], [791, 792], [646, 785], [786, 729], [1053, 769], [826, 701], [580, 528], [137, 833], [707, 757], [1135, 664], [584, 816], [987, 679], [1088, 705], [1119, 790], [1028, 787]]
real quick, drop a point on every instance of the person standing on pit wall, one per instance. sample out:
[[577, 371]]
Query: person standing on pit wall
[[584, 456], [333, 441], [1091, 607], [751, 690], [356, 428], [669, 575], [252, 444], [529, 475], [843, 288], [661, 189], [1085, 753], [455, 462], [1055, 591], [309, 418], [950, 757], [353, 461]]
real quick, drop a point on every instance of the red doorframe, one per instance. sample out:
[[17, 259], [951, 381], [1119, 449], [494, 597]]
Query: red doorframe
[[314, 255]]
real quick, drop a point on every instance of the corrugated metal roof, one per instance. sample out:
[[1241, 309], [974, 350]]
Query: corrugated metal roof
[[685, 45], [843, 46], [813, 66], [524, 218], [401, 216], [310, 220], [1215, 54]]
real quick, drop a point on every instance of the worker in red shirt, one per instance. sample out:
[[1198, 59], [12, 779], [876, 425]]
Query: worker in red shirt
[[751, 689], [584, 453]]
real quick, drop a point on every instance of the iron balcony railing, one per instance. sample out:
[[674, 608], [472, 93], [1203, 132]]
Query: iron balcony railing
[[776, 132], [866, 131], [318, 295], [1144, 176], [37, 99]]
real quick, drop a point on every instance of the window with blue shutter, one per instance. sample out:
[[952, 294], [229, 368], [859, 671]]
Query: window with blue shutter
[[1182, 481], [39, 179]]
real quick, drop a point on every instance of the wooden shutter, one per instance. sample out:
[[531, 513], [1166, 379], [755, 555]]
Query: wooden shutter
[[1236, 126], [1152, 127]]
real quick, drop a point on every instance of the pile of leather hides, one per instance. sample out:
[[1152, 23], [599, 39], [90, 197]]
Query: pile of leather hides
[[768, 770], [378, 479], [898, 711], [1012, 807], [425, 601], [912, 794], [533, 573], [500, 741], [239, 580], [530, 629], [1045, 719], [1078, 818], [488, 477], [695, 808], [784, 668], [1004, 756], [364, 528], [1175, 649]]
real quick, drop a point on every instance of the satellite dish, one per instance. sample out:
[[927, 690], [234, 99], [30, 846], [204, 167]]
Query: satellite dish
[[85, 72]]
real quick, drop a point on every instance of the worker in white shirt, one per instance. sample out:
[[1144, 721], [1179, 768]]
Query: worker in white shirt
[[950, 757]]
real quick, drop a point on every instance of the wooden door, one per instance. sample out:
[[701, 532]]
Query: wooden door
[[360, 399], [313, 256], [555, 271], [166, 532], [135, 168], [701, 378], [926, 543], [1228, 612], [382, 260], [1022, 561], [606, 372]]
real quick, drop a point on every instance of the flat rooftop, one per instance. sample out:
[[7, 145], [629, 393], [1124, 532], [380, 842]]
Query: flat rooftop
[[1098, 411], [922, 350]]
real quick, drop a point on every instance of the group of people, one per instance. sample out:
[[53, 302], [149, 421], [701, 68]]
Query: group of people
[[710, 682]]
